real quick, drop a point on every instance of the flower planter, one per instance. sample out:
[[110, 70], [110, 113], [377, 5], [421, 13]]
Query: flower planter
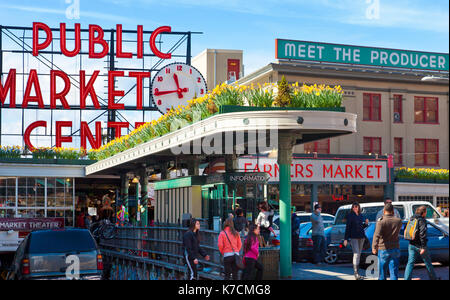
[[235, 108], [415, 180]]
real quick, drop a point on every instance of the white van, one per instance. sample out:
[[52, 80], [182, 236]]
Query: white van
[[370, 210]]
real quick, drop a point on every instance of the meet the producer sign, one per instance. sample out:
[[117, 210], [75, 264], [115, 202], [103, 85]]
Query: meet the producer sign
[[321, 170]]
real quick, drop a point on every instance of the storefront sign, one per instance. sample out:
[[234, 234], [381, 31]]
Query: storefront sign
[[26, 224], [238, 178], [321, 170], [60, 83], [359, 55]]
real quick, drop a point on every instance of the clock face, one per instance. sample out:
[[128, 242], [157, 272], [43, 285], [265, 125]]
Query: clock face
[[175, 84]]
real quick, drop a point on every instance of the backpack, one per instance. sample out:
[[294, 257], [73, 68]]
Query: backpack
[[411, 229]]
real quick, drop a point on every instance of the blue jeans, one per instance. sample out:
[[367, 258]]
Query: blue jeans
[[319, 248], [413, 253], [388, 258]]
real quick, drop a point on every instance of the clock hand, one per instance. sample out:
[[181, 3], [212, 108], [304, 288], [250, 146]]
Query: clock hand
[[161, 93], [175, 77]]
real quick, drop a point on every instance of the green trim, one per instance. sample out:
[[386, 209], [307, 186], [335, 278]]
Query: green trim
[[81, 162], [421, 180], [179, 182], [235, 108]]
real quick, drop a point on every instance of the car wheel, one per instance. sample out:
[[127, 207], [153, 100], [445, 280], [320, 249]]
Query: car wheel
[[331, 257]]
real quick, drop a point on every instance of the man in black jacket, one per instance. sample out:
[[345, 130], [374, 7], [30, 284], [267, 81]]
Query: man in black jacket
[[418, 246]]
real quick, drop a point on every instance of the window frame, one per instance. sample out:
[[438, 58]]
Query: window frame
[[400, 163], [371, 95], [399, 98], [424, 111], [316, 146], [372, 138], [425, 153]]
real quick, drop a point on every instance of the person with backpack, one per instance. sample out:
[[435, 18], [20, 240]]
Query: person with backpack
[[416, 233], [318, 235], [192, 250], [354, 231], [251, 254], [240, 222], [229, 246], [386, 243], [295, 232]]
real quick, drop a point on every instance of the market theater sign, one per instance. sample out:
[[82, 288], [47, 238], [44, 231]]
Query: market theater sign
[[322, 170], [42, 38]]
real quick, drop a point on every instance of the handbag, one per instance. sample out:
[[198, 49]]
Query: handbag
[[366, 245], [237, 258]]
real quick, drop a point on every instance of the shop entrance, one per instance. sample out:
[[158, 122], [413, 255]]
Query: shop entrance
[[224, 193]]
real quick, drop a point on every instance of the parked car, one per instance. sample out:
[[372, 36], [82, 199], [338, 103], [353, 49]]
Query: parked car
[[306, 243], [370, 210], [43, 254], [304, 218], [438, 245]]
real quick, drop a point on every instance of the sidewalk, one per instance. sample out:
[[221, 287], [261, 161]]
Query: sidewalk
[[308, 271]]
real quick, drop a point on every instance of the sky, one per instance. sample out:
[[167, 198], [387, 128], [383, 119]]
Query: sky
[[251, 25]]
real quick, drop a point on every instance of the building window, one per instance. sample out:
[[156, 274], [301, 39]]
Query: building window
[[426, 152], [320, 147], [372, 107], [426, 110], [416, 198], [372, 145], [398, 151], [398, 109]]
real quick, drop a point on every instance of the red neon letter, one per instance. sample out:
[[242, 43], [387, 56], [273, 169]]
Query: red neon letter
[[379, 169], [138, 124], [139, 86], [97, 40], [59, 138], [140, 41], [62, 30], [36, 46], [119, 52], [369, 168], [86, 132], [26, 135], [118, 126], [112, 93], [326, 170], [62, 95], [10, 85], [155, 50], [33, 80], [85, 90]]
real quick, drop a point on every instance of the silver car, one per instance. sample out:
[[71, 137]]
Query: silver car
[[57, 254]]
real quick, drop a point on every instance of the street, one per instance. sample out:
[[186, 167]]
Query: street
[[308, 271]]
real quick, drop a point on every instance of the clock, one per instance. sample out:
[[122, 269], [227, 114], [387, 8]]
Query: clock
[[175, 84]]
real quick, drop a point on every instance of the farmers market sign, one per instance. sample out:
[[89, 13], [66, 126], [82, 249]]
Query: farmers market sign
[[359, 55], [321, 170]]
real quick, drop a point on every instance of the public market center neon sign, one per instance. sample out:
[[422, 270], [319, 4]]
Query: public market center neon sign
[[42, 32]]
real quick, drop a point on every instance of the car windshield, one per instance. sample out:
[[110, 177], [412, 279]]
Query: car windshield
[[367, 213], [61, 242]]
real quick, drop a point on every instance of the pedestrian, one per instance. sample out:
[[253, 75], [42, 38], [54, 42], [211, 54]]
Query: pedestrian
[[192, 250], [80, 220], [251, 254], [418, 246], [240, 222], [318, 235], [263, 221], [230, 244], [381, 212], [295, 233], [88, 221], [386, 243], [354, 231]]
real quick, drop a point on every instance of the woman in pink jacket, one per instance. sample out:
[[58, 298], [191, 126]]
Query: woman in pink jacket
[[251, 254], [229, 245]]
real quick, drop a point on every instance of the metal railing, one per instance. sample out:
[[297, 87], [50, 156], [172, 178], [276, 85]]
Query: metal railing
[[161, 246]]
